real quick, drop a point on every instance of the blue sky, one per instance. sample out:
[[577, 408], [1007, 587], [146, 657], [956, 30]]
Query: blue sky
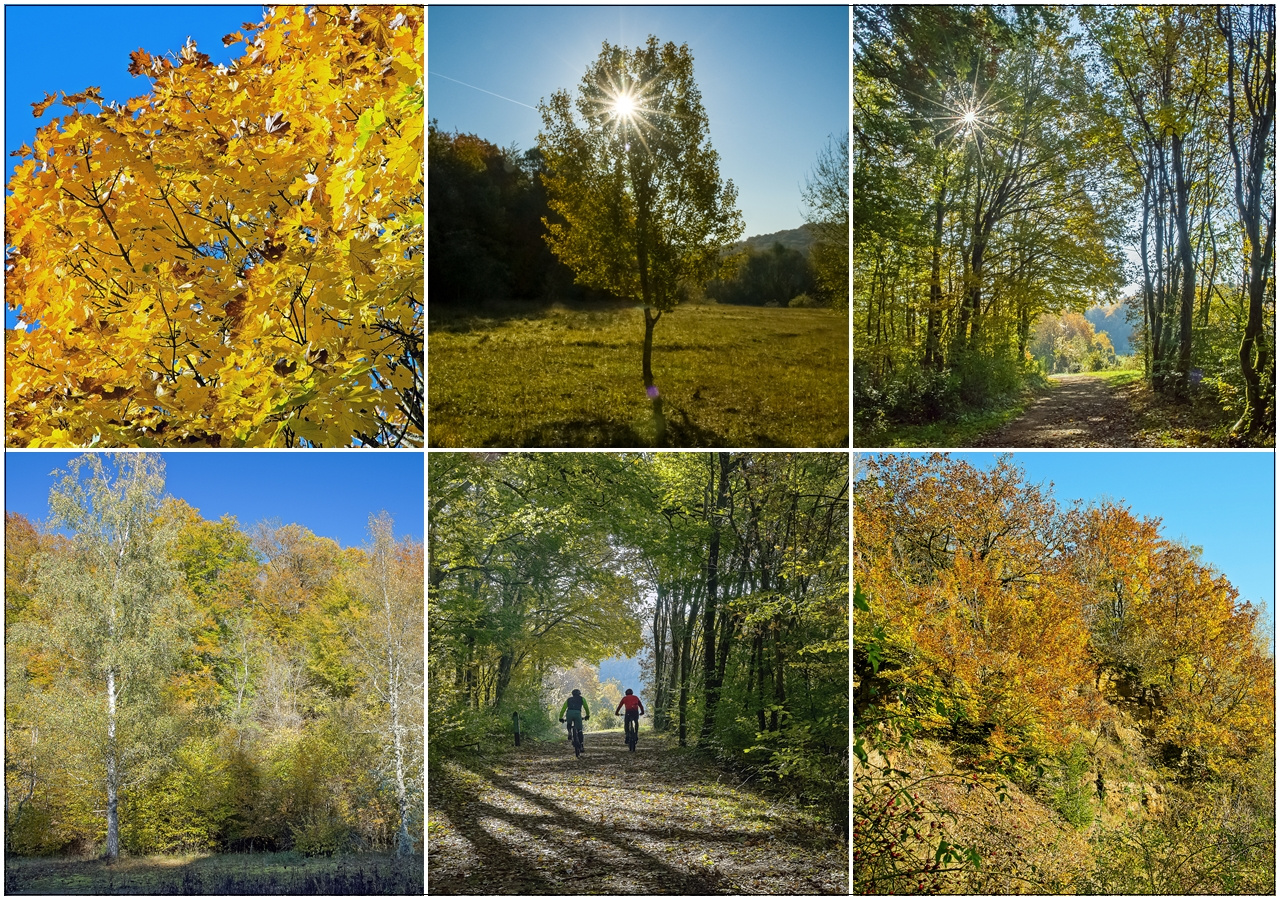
[[333, 493], [774, 81], [91, 49], [1222, 501]]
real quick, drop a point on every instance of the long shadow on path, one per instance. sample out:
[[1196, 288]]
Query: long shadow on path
[[653, 822]]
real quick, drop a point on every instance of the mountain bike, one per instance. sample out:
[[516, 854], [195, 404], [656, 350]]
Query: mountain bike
[[575, 736], [632, 728]]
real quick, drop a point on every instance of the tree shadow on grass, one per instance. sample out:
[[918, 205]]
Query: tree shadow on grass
[[597, 432]]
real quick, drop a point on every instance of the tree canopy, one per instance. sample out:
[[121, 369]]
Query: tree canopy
[[1012, 163], [235, 258]]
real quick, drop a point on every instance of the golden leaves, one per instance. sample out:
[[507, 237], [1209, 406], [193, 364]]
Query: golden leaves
[[215, 306], [37, 109]]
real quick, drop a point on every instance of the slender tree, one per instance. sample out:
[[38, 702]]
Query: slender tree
[[1250, 32], [391, 643], [117, 589], [640, 210]]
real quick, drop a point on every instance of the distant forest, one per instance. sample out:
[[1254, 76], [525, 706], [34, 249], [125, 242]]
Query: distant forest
[[486, 207]]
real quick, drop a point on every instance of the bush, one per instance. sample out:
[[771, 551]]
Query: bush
[[1071, 795], [804, 301], [319, 835]]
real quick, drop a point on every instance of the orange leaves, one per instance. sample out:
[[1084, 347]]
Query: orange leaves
[[968, 567], [37, 109], [193, 231]]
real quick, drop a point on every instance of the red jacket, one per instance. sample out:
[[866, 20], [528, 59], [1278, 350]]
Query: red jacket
[[631, 702]]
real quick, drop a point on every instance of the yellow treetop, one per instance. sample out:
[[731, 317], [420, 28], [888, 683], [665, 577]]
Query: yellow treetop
[[235, 258]]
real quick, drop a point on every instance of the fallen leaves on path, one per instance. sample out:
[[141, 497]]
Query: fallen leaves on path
[[658, 821], [1079, 411]]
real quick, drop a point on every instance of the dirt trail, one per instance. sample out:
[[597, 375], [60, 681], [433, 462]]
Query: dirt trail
[[657, 821], [1079, 411]]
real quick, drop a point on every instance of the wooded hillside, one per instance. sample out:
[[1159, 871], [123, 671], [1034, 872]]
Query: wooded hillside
[[1050, 699]]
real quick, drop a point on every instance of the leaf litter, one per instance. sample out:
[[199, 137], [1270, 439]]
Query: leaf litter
[[661, 820]]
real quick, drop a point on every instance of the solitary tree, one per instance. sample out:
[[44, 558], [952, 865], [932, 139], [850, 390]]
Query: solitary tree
[[635, 184], [114, 588]]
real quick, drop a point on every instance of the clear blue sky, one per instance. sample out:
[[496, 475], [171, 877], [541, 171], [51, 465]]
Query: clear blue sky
[[774, 81], [69, 48], [1222, 501], [333, 493]]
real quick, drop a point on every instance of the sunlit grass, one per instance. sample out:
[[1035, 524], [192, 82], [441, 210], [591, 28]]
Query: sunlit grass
[[729, 376], [962, 433], [1121, 376]]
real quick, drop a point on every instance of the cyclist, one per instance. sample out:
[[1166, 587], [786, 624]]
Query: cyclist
[[635, 709], [577, 710]]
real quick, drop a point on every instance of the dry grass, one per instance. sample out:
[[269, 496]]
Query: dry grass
[[729, 377]]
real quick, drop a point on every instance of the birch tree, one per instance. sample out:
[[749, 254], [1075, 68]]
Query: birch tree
[[389, 638], [115, 590]]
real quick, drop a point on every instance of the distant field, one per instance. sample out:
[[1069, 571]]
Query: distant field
[[730, 376], [218, 874]]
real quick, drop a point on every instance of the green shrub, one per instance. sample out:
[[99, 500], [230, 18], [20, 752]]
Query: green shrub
[[804, 301], [1071, 793], [31, 832], [321, 836]]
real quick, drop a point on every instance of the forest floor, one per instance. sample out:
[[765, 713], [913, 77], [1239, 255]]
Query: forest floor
[[1110, 410], [218, 874], [661, 820], [729, 376]]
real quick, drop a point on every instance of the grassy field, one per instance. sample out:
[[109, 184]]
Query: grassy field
[[729, 376], [221, 873]]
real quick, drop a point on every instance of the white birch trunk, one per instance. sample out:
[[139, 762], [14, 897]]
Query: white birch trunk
[[113, 816]]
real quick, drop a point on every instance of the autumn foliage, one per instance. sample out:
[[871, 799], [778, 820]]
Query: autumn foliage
[[998, 617], [1047, 698], [235, 258]]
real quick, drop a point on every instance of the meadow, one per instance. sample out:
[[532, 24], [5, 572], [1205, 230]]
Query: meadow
[[730, 376], [221, 873]]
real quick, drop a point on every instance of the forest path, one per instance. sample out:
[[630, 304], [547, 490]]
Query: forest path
[[1078, 411], [661, 820]]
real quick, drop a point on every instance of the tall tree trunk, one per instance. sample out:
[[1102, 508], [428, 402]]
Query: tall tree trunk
[[710, 671], [1186, 310], [113, 771], [933, 329], [404, 843], [1258, 70]]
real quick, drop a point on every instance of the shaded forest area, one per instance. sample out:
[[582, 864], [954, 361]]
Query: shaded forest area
[[176, 685], [1049, 699], [486, 236], [728, 570], [1014, 163]]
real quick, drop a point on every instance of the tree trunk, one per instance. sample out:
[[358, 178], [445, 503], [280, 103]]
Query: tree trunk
[[113, 772], [659, 420], [404, 843], [1186, 256], [710, 671], [933, 329]]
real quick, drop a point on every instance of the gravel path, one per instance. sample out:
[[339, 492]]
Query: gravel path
[[659, 821], [1079, 411]]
